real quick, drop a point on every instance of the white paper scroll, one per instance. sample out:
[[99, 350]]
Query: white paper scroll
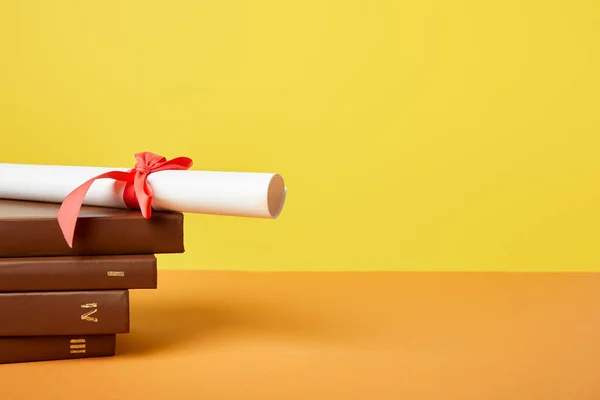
[[247, 194]]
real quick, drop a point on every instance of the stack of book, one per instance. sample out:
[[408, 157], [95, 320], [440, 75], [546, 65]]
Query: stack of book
[[58, 302]]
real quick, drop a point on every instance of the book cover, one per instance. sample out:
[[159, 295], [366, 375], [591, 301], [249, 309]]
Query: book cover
[[93, 312], [70, 273], [31, 229], [53, 348]]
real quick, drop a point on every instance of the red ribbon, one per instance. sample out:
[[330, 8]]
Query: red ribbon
[[137, 194]]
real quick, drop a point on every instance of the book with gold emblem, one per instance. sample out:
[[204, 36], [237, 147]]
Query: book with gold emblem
[[92, 312], [29, 274], [19, 349]]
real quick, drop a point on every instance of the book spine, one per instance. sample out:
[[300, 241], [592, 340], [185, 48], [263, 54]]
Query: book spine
[[93, 312], [51, 348], [40, 274], [161, 234]]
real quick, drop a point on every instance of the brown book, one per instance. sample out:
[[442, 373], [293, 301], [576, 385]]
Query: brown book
[[30, 229], [30, 274], [51, 348], [93, 312]]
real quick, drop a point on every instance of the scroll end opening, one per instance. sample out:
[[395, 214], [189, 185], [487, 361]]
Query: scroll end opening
[[276, 195]]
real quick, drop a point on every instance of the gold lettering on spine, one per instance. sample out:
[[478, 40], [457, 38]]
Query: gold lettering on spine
[[115, 273], [86, 316], [77, 346]]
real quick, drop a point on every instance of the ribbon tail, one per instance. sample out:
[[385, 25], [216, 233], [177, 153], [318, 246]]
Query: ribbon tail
[[69, 210]]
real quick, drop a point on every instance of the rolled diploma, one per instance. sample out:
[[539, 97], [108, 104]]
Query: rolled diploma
[[247, 194]]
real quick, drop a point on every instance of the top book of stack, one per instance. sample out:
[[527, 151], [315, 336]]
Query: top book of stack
[[31, 229]]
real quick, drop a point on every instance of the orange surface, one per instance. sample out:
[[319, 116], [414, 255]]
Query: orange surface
[[219, 335]]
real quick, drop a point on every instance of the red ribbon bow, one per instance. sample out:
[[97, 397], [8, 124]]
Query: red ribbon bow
[[137, 194]]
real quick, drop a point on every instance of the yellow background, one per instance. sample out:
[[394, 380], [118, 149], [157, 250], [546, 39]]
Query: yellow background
[[412, 134]]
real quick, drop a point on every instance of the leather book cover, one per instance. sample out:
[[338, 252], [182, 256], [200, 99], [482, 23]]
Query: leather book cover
[[93, 312], [30, 229], [53, 348], [30, 274]]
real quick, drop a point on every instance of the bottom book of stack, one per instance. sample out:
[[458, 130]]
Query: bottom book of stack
[[52, 348], [68, 307]]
